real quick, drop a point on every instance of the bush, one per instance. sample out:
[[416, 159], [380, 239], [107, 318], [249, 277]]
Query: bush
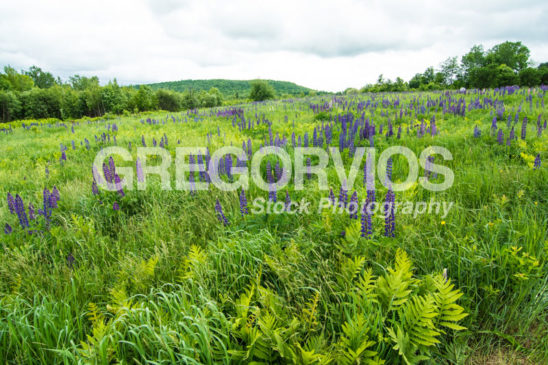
[[261, 90]]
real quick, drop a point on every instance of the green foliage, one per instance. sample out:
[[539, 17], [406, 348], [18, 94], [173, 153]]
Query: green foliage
[[172, 285], [168, 100], [261, 90], [530, 76], [13, 80], [41, 79], [230, 88]]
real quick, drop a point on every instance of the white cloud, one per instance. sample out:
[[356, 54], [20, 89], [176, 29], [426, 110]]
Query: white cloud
[[321, 44]]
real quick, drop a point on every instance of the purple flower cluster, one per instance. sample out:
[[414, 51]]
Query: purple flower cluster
[[389, 219], [343, 197], [500, 137], [477, 132], [11, 203], [354, 206], [537, 162], [20, 211], [243, 203], [220, 215]]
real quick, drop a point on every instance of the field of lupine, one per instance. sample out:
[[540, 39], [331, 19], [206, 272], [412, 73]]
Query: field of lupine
[[170, 276]]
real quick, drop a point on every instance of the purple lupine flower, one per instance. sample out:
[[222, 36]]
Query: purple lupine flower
[[11, 203], [389, 221], [477, 132], [494, 124], [55, 193], [107, 173], [70, 260], [308, 169], [228, 166], [143, 141], [343, 196], [94, 188], [537, 162], [389, 170], [278, 171], [63, 157], [524, 128], [428, 166], [111, 166], [287, 201], [32, 212], [500, 137], [139, 168], [115, 206], [20, 210], [366, 225], [512, 134], [46, 211], [7, 229], [119, 186], [53, 197], [271, 187], [220, 215], [331, 197], [243, 203], [354, 206]]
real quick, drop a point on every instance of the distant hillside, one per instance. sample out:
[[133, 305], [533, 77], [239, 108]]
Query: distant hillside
[[229, 88]]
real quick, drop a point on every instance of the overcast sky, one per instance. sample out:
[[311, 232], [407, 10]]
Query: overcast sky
[[326, 45]]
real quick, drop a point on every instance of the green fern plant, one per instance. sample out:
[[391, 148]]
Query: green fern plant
[[395, 287]]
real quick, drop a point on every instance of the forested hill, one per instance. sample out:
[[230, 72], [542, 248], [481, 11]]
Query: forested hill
[[229, 88]]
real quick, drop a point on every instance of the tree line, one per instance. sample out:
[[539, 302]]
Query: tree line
[[34, 93], [505, 64]]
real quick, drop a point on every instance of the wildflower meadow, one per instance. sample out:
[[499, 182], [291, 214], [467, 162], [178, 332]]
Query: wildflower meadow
[[371, 228]]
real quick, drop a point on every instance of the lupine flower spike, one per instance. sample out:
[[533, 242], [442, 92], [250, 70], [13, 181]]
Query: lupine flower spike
[[220, 215], [537, 162]]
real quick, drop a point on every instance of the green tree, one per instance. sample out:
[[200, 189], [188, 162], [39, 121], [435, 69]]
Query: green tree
[[543, 70], [82, 82], [114, 99], [168, 100], [450, 69], [506, 76], [530, 76], [415, 81], [190, 100], [144, 99], [72, 105], [428, 76], [15, 81], [261, 90], [512, 54], [93, 101], [41, 79], [42, 103], [474, 59], [10, 106]]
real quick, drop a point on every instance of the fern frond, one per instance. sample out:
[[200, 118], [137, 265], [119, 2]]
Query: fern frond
[[393, 288], [449, 311], [350, 268], [354, 343], [309, 313], [417, 318], [196, 257], [366, 284]]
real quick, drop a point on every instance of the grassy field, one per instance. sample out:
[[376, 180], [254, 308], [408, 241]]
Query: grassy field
[[163, 280]]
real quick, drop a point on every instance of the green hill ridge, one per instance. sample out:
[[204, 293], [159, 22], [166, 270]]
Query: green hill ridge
[[229, 88]]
